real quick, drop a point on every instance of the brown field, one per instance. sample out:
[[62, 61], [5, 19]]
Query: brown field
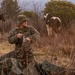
[[58, 50]]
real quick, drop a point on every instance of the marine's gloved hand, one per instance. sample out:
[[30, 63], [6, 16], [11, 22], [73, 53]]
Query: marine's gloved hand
[[19, 35], [27, 39]]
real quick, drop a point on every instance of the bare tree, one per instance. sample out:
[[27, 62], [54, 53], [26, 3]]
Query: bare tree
[[37, 7]]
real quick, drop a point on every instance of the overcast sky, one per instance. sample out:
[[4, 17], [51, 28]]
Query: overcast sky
[[73, 1], [28, 4]]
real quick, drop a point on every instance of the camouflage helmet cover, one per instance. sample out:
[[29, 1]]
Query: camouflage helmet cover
[[22, 18]]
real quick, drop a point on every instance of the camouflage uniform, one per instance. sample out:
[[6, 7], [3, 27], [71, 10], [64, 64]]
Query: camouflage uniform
[[28, 31], [21, 51]]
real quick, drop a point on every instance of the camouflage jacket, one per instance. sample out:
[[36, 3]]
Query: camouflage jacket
[[27, 31]]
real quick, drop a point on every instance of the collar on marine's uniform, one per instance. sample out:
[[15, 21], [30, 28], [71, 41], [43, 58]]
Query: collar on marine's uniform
[[18, 27], [25, 29]]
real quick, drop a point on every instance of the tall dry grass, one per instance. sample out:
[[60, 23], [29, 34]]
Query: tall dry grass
[[58, 50]]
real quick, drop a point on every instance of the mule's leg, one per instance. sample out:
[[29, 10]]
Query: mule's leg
[[47, 26], [49, 30], [54, 31], [57, 31]]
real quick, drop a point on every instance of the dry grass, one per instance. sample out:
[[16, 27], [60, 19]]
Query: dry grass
[[5, 47], [58, 50]]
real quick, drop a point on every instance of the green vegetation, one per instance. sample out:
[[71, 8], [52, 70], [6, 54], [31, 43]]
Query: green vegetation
[[11, 8], [63, 9]]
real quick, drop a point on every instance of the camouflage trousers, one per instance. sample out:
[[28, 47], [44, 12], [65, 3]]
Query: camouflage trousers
[[11, 66], [23, 56]]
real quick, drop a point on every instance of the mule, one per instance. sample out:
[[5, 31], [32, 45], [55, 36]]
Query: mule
[[53, 24]]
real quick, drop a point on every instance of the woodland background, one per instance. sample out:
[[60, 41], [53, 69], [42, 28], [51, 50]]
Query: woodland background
[[58, 50]]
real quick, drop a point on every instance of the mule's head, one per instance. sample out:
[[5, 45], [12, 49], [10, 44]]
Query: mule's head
[[2, 17], [47, 18], [45, 15]]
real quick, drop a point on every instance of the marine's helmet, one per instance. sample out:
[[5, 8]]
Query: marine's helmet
[[22, 18]]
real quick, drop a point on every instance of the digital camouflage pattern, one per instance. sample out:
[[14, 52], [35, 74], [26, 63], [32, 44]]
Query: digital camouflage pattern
[[10, 66], [23, 54], [20, 52], [22, 18]]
